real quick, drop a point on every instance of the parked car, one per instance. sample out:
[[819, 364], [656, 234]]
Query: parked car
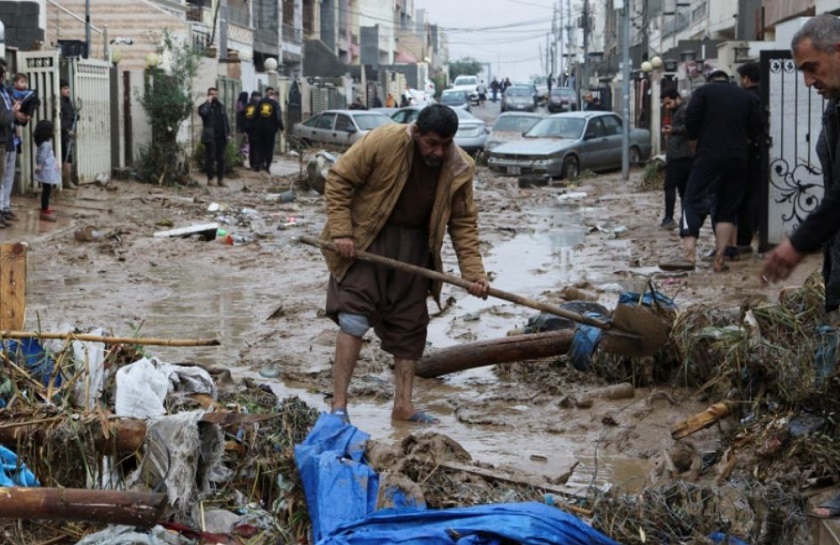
[[468, 84], [338, 129], [511, 126], [521, 98], [455, 99], [563, 145], [472, 131], [562, 99]]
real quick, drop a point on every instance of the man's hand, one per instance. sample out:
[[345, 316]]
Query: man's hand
[[345, 247], [480, 288], [780, 262]]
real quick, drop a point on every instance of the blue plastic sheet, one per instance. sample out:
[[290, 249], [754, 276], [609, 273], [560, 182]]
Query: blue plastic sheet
[[338, 485], [14, 472], [30, 355], [341, 491], [721, 539]]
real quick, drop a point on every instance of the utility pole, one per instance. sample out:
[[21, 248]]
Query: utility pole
[[625, 86], [584, 68], [559, 39]]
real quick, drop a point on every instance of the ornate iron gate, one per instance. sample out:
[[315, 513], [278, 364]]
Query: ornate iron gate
[[91, 92], [41, 68], [792, 182]]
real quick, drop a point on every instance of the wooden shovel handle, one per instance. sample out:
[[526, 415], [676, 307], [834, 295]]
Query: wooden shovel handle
[[460, 282]]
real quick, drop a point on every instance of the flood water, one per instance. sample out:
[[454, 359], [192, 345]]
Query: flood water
[[216, 301]]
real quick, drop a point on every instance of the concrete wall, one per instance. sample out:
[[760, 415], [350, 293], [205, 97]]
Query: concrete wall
[[23, 24]]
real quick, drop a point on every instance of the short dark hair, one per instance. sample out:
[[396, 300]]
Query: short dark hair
[[212, 89], [750, 71], [63, 83], [717, 75], [670, 93], [439, 119], [43, 131]]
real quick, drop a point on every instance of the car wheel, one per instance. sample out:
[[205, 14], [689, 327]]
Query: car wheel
[[571, 168], [635, 155]]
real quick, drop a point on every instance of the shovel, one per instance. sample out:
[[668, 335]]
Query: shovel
[[633, 331]]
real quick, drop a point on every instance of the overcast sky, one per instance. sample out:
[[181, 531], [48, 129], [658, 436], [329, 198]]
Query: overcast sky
[[510, 35]]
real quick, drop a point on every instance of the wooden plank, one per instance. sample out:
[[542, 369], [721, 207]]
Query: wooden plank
[[701, 421], [12, 285]]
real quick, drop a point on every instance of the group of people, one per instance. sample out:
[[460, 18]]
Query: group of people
[[498, 88], [712, 161], [17, 105], [258, 120]]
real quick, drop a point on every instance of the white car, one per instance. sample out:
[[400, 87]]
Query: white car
[[468, 84]]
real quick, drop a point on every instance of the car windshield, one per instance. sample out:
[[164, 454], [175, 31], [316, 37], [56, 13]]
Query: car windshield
[[453, 98], [518, 92], [557, 127], [517, 123], [466, 80], [370, 121], [561, 91], [463, 114]]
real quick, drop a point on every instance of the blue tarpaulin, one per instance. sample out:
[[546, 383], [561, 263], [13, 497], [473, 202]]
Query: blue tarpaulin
[[13, 472], [341, 491]]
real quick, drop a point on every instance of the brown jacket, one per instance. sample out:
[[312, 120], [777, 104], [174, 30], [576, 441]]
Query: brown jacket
[[363, 186]]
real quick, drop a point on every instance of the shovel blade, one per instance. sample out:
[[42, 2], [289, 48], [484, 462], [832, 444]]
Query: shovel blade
[[635, 332]]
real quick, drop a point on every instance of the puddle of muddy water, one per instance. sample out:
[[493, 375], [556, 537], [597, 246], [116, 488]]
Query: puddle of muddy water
[[529, 264]]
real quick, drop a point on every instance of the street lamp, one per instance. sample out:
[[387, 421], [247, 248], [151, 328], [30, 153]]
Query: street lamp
[[270, 64], [654, 66], [152, 60]]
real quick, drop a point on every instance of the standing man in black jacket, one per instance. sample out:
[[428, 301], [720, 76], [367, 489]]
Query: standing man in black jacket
[[268, 122], [678, 155], [816, 52], [722, 118], [68, 133], [214, 136], [748, 213]]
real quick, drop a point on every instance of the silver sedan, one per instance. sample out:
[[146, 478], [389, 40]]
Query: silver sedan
[[338, 129], [563, 145]]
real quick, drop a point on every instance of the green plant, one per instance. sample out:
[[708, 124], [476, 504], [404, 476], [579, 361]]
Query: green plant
[[167, 100]]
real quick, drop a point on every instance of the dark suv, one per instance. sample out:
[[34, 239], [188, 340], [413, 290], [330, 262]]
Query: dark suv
[[562, 99]]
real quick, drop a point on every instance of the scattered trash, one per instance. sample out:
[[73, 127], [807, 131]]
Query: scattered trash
[[207, 230], [572, 196], [290, 222], [619, 230], [472, 316], [86, 234]]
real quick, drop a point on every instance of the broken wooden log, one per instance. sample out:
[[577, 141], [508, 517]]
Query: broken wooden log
[[108, 340], [702, 420], [122, 437], [508, 349], [108, 506]]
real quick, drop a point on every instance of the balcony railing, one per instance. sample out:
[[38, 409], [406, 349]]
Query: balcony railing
[[195, 13], [239, 16], [292, 34]]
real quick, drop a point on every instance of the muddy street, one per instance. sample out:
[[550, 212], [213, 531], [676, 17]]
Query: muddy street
[[262, 297]]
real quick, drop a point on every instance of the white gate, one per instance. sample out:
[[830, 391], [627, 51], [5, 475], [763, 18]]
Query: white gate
[[91, 93], [793, 182], [41, 67]]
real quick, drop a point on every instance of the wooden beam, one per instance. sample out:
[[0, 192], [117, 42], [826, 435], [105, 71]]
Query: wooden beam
[[504, 350], [12, 285], [109, 506]]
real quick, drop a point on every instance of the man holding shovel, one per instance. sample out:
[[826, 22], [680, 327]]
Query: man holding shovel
[[395, 193]]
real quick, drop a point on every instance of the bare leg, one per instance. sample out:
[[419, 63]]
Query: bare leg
[[403, 386], [723, 234], [347, 348], [690, 248]]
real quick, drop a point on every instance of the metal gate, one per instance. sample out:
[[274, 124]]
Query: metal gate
[[91, 94], [792, 181], [41, 68]]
